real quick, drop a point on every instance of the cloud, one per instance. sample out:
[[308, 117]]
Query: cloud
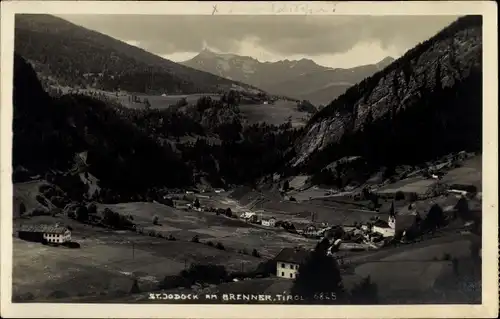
[[278, 35]]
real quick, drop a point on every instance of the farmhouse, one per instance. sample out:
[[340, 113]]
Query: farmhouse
[[312, 231], [249, 217], [288, 262], [49, 233], [270, 222]]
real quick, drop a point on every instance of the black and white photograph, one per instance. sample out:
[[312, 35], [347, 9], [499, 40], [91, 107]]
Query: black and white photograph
[[245, 159]]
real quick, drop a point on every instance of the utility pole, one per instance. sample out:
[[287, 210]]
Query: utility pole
[[133, 250]]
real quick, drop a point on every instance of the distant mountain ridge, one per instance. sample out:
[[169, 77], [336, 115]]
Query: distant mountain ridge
[[72, 55], [322, 87], [301, 79], [250, 70]]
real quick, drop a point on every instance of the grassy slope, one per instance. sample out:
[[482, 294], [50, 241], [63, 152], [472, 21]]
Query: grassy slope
[[106, 262], [274, 114]]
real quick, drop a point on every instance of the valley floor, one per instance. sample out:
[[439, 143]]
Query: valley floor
[[104, 268]]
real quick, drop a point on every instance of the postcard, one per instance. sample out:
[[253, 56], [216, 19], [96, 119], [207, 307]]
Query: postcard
[[174, 159]]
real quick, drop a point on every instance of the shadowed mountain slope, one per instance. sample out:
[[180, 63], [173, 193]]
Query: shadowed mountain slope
[[68, 54], [425, 104]]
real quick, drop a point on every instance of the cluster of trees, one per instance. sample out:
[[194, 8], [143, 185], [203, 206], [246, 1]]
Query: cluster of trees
[[214, 274], [116, 220], [261, 149], [306, 106], [122, 155], [341, 174], [232, 98], [126, 148], [319, 281], [162, 123]]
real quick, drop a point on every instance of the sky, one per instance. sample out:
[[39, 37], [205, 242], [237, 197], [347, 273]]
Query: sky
[[332, 41]]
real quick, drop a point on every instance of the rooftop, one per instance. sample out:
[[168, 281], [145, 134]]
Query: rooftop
[[269, 218], [53, 229], [381, 223], [292, 255]]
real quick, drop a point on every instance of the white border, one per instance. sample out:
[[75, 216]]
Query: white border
[[488, 9]]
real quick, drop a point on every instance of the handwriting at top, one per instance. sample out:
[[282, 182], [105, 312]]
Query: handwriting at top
[[304, 8], [283, 7]]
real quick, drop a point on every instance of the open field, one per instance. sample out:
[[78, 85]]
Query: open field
[[301, 212], [156, 101], [470, 173], [276, 113], [298, 181], [107, 260], [418, 185], [231, 232], [423, 276]]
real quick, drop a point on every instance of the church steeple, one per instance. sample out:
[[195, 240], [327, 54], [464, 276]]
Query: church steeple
[[392, 217], [392, 211]]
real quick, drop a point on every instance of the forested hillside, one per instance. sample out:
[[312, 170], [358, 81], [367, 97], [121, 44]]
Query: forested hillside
[[131, 151], [425, 104], [67, 54], [48, 132]]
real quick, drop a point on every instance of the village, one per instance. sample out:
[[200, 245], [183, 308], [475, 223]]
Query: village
[[249, 229]]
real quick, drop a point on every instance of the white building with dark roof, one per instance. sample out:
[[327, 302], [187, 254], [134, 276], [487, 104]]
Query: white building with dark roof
[[288, 262], [269, 222], [384, 228], [45, 233]]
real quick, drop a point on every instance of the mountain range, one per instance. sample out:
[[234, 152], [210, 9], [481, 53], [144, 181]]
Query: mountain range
[[70, 55], [423, 105], [302, 79]]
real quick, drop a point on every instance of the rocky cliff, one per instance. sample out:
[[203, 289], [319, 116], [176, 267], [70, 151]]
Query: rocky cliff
[[427, 102]]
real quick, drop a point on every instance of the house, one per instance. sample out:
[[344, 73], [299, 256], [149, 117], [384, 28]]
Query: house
[[288, 262], [382, 227], [270, 222], [407, 216], [45, 233], [310, 230], [334, 247], [249, 217]]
